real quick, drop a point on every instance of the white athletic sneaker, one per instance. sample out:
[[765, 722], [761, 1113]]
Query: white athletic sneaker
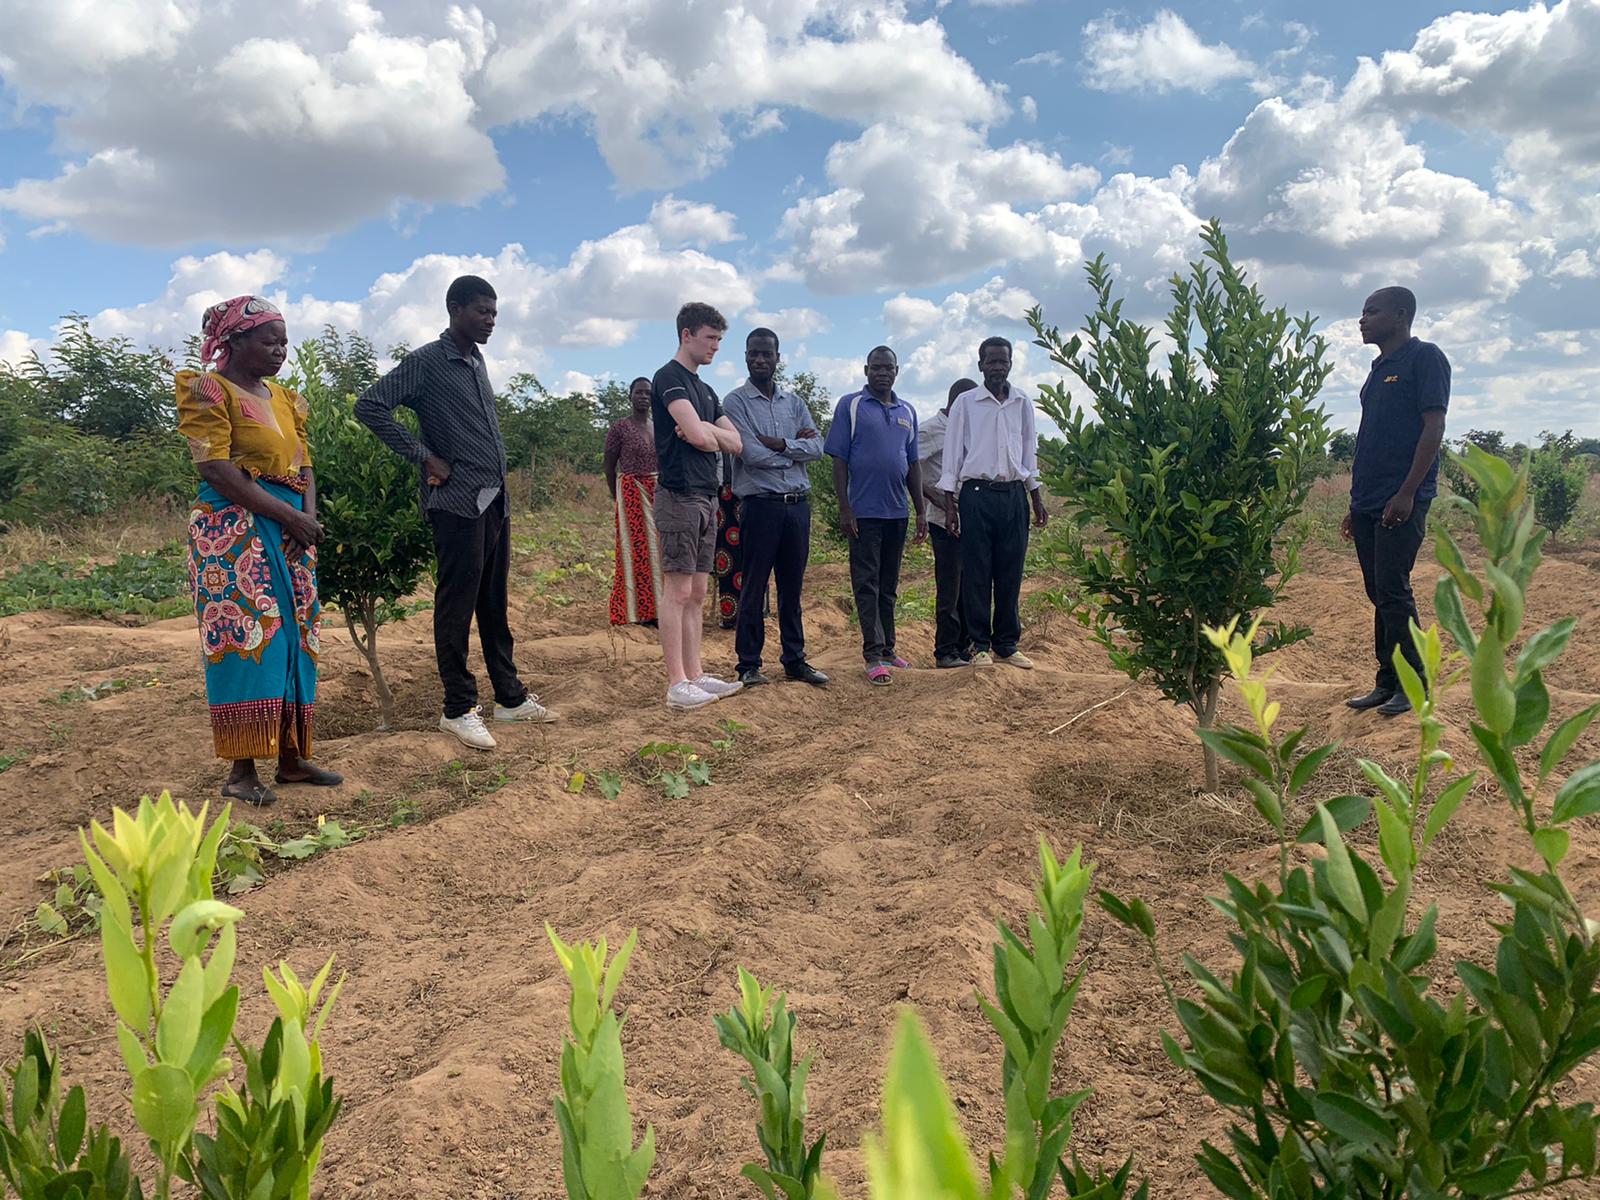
[[529, 710], [469, 729], [688, 695], [717, 687]]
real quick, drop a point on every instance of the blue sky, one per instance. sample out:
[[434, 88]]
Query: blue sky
[[851, 173]]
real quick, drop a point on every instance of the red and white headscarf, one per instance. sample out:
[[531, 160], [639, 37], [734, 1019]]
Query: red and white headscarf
[[222, 321]]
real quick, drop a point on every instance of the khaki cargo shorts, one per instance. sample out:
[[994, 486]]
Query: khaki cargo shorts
[[686, 530]]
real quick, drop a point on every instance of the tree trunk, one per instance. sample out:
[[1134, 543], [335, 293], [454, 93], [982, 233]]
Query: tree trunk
[[1207, 712], [368, 645]]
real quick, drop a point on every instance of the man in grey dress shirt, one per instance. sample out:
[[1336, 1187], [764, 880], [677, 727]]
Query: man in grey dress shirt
[[769, 477], [462, 464]]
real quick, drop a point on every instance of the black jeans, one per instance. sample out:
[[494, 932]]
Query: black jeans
[[776, 539], [994, 545], [1386, 557], [474, 556], [875, 554], [950, 638]]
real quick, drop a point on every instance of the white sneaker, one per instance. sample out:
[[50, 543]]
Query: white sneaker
[[717, 687], [469, 729], [688, 695], [529, 710]]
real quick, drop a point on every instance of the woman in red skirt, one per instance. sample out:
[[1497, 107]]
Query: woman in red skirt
[[630, 465]]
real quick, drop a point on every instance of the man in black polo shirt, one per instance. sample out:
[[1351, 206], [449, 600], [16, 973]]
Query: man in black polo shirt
[[1394, 479], [691, 435], [462, 462]]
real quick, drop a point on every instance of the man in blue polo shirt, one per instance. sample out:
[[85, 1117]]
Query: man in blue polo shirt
[[873, 442], [1394, 479]]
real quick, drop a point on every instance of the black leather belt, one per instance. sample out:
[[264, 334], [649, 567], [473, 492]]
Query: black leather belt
[[782, 497], [993, 485]]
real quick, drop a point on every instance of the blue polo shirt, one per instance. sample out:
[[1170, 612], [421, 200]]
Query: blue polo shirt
[[1399, 389], [879, 452]]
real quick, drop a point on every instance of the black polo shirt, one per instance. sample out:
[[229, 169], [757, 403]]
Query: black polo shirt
[[1400, 388]]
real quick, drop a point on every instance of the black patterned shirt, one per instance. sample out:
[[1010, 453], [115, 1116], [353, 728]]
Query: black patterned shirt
[[454, 401]]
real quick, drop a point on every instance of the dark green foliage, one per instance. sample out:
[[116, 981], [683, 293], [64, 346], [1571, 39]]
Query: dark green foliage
[[103, 386], [1183, 484], [149, 585], [262, 1147], [375, 545], [1342, 446], [1349, 1070], [1493, 441], [543, 431], [1558, 477], [47, 1151]]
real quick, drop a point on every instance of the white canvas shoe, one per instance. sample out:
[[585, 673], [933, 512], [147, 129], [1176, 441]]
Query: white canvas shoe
[[529, 710], [469, 729], [686, 695], [717, 687]]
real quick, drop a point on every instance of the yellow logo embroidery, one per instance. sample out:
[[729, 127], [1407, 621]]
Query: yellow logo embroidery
[[1391, 379]]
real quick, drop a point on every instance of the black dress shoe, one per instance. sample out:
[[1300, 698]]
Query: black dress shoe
[[806, 673], [1396, 705], [1373, 699], [753, 678]]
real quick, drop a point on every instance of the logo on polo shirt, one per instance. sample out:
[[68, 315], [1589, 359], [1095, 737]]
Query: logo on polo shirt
[[1391, 379], [902, 422]]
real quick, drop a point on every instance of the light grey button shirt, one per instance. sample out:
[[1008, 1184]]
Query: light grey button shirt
[[757, 470]]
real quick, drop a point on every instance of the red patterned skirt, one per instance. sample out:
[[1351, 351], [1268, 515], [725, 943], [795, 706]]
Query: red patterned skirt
[[638, 578]]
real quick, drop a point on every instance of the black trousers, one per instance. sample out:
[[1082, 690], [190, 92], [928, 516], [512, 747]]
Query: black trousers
[[474, 555], [875, 554], [994, 545], [950, 637], [776, 539], [1386, 557]]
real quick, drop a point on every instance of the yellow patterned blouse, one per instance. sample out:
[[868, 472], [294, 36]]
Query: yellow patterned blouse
[[224, 423]]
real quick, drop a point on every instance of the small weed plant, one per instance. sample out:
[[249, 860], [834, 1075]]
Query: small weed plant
[[153, 586]]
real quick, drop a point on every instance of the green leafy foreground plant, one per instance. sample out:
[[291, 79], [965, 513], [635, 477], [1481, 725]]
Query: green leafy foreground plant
[[1347, 1070], [598, 1158], [154, 871], [760, 1029]]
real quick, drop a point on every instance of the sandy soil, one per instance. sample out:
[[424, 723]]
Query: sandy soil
[[855, 848]]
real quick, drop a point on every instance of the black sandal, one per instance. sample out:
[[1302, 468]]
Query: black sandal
[[258, 795], [317, 778]]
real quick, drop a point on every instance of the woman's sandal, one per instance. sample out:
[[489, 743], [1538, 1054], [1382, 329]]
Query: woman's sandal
[[257, 794], [317, 778], [878, 675]]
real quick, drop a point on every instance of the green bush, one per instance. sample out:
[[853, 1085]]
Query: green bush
[[56, 473], [1183, 479], [375, 546], [1558, 477]]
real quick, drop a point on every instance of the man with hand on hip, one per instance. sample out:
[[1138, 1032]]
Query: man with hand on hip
[[462, 462]]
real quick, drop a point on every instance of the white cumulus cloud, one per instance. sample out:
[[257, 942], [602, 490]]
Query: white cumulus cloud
[[1164, 55]]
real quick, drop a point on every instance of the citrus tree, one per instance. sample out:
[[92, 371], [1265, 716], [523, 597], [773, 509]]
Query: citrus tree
[[1182, 476], [375, 545]]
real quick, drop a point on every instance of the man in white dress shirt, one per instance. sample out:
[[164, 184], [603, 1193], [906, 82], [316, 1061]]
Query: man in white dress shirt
[[991, 474]]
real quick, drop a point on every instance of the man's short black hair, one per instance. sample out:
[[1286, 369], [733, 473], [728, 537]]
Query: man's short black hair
[[883, 350], [466, 289], [762, 332], [959, 387], [1400, 299], [638, 381], [993, 341], [695, 316]]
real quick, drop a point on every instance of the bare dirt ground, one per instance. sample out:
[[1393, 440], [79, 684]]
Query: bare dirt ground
[[854, 848]]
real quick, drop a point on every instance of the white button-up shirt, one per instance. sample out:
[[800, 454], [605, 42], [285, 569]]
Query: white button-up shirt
[[989, 438]]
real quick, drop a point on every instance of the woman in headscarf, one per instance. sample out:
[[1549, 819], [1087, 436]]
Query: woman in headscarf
[[630, 466], [252, 541]]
